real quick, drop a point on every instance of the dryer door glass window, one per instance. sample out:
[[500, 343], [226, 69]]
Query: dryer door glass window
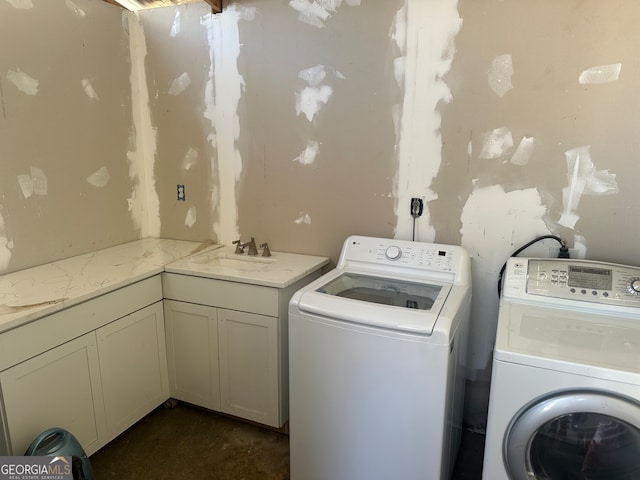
[[575, 436], [586, 446]]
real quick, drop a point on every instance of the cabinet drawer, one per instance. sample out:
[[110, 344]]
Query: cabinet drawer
[[221, 293]]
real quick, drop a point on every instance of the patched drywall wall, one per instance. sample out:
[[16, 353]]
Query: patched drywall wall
[[539, 138], [300, 125], [275, 133], [179, 81], [65, 119], [317, 134]]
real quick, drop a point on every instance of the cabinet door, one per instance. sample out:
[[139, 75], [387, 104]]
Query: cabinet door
[[58, 388], [192, 353], [249, 380], [133, 367]]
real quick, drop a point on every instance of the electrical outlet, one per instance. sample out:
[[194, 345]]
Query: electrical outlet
[[416, 207], [181, 193], [573, 253]]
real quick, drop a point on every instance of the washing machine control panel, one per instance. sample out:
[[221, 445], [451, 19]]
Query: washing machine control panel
[[449, 262], [582, 280]]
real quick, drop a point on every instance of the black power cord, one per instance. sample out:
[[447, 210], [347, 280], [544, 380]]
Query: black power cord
[[562, 253], [417, 206]]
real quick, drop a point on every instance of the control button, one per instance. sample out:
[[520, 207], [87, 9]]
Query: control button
[[583, 292], [573, 290], [542, 276], [605, 294], [393, 253], [634, 286]]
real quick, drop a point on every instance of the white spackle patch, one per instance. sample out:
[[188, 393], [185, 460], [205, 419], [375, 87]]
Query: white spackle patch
[[310, 99], [5, 245], [190, 218], [34, 182], [430, 33], [399, 69], [21, 4], [26, 185], [144, 204], [308, 155], [494, 224], [601, 74], [398, 35], [496, 143], [89, 90], [316, 12], [579, 246], [99, 178], [314, 76], [75, 8], [175, 26], [179, 84], [190, 159], [524, 152], [39, 180], [222, 95], [23, 82], [303, 218], [312, 12], [500, 74], [584, 179]]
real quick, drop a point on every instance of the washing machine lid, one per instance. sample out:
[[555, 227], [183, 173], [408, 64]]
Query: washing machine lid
[[378, 300], [568, 340]]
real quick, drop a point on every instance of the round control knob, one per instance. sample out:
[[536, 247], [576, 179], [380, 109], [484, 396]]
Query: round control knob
[[393, 253], [634, 286]]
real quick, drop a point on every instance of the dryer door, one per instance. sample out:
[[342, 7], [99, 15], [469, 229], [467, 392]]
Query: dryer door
[[575, 436]]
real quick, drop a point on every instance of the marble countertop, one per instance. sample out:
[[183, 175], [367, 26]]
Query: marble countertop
[[29, 294], [32, 293]]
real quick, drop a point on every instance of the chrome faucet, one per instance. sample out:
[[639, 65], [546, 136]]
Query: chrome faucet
[[252, 247]]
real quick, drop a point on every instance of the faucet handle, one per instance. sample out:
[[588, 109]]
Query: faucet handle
[[239, 246], [265, 252]]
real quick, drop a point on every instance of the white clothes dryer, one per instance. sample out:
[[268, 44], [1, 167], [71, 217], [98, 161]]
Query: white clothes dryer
[[565, 386], [377, 352]]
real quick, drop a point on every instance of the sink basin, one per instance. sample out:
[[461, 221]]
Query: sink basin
[[220, 262], [234, 261]]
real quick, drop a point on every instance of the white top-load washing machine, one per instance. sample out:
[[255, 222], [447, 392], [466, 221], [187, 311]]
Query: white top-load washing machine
[[565, 387], [376, 363]]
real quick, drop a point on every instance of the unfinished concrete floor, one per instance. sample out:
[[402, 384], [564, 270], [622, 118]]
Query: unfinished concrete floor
[[188, 443]]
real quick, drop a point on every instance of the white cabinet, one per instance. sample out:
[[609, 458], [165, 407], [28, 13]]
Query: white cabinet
[[227, 345], [224, 360], [249, 373], [93, 383], [133, 367], [58, 388], [192, 353]]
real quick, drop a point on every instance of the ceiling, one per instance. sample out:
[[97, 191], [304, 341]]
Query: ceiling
[[133, 5]]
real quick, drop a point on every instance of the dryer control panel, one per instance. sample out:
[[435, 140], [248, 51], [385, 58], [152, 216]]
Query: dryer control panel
[[582, 280]]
